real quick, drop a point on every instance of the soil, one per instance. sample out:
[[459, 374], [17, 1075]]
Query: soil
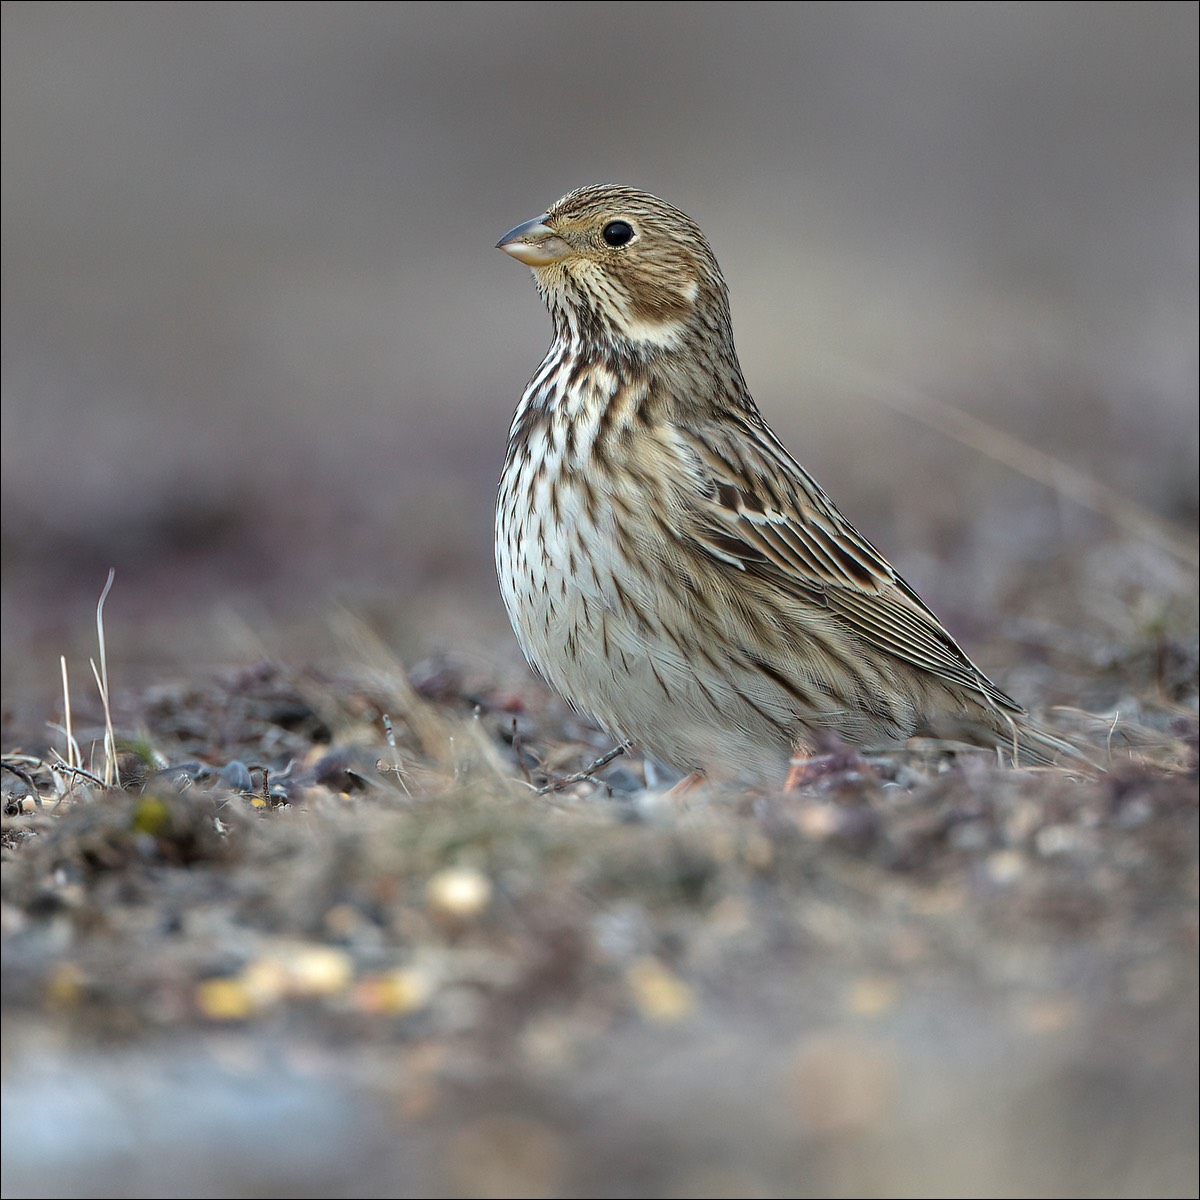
[[356, 934]]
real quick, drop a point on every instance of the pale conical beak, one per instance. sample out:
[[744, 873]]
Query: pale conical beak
[[534, 243]]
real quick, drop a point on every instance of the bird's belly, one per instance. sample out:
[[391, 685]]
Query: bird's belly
[[621, 650]]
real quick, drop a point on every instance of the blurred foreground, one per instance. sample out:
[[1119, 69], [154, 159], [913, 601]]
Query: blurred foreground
[[372, 963]]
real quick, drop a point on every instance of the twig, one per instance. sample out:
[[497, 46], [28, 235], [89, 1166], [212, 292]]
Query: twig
[[63, 765], [26, 779], [395, 768], [586, 774]]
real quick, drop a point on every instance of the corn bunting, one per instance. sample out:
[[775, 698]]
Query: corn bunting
[[668, 567]]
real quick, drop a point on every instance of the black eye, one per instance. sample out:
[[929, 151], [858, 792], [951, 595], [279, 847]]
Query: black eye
[[617, 233]]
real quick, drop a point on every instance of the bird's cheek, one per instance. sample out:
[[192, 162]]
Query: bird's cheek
[[663, 306]]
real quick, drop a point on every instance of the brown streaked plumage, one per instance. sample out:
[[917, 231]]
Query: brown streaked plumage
[[667, 566]]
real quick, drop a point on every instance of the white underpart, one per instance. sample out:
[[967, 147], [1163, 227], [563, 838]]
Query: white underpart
[[562, 577], [533, 551]]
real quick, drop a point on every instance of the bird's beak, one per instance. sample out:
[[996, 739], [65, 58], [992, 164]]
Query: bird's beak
[[534, 243]]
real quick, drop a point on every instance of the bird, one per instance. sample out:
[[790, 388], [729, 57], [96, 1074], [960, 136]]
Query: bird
[[668, 567]]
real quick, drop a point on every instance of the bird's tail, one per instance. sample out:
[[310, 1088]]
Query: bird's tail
[[1031, 744]]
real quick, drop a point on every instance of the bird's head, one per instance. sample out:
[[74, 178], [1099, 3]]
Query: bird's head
[[622, 269]]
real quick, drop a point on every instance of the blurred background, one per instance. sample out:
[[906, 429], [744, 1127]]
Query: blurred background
[[260, 356]]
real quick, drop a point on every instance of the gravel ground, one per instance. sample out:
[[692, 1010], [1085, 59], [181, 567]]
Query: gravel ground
[[332, 936]]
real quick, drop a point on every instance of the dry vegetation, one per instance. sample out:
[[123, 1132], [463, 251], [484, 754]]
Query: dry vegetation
[[337, 929]]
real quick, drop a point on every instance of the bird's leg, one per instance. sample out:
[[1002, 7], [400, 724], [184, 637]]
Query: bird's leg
[[800, 771], [689, 783]]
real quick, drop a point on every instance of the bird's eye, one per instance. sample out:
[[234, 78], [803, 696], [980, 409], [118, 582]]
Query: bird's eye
[[617, 233]]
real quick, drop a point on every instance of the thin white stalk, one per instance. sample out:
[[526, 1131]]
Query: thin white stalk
[[111, 777], [74, 758]]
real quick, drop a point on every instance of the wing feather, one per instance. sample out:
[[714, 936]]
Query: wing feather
[[760, 511]]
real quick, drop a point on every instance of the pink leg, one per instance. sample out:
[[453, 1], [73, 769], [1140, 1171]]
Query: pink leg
[[688, 783]]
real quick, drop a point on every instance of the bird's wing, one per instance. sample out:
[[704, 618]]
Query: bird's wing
[[759, 511]]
